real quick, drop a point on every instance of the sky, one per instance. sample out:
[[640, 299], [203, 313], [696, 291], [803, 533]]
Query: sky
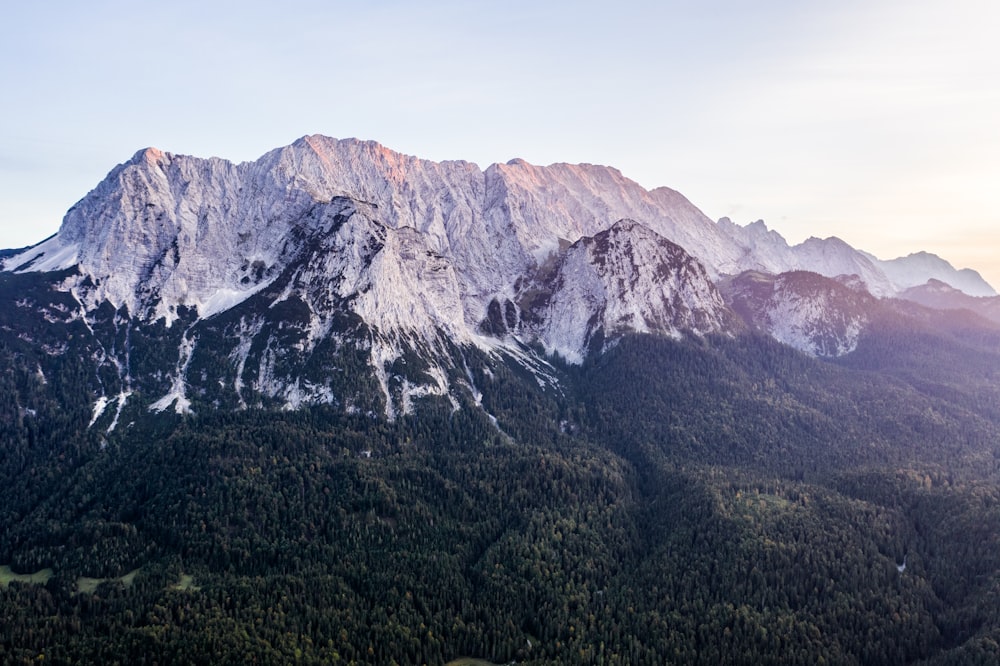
[[876, 121]]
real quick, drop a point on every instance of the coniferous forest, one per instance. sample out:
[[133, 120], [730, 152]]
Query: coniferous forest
[[704, 501]]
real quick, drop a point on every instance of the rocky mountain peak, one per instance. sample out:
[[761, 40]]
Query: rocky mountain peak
[[625, 279], [813, 313]]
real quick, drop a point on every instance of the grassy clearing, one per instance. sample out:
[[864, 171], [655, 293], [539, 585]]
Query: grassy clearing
[[85, 585], [7, 576], [186, 584], [470, 661], [759, 505]]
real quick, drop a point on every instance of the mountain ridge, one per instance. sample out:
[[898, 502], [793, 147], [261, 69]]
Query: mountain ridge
[[395, 257], [320, 167]]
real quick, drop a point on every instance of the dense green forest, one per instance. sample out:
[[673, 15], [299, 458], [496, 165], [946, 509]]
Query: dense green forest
[[707, 501]]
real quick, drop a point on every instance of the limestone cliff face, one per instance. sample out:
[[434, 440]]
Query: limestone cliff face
[[815, 314], [164, 231]]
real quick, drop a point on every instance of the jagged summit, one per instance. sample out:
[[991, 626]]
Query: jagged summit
[[149, 231], [625, 279], [332, 244], [465, 211], [150, 155], [831, 256]]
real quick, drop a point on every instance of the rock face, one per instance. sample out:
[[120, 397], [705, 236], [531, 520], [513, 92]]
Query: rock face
[[625, 279], [279, 271], [164, 231], [812, 313], [265, 278]]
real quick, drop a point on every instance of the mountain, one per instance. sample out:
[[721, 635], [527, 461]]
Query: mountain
[[342, 405], [830, 257], [428, 250], [277, 270], [627, 279], [941, 296], [812, 313], [416, 252], [493, 225], [918, 268]]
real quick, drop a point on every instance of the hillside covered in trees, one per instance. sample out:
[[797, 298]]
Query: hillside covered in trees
[[715, 500]]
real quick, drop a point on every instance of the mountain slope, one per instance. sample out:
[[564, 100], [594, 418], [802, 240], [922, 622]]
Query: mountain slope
[[674, 489]]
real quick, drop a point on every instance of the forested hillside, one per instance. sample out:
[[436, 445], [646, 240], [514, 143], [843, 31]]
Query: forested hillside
[[706, 501]]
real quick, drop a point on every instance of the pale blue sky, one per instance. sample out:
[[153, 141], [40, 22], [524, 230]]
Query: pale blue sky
[[875, 121]]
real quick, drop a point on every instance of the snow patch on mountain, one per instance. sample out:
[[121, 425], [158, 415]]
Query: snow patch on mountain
[[178, 388], [300, 393], [226, 299], [438, 386], [52, 254], [120, 401], [99, 408], [245, 334]]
